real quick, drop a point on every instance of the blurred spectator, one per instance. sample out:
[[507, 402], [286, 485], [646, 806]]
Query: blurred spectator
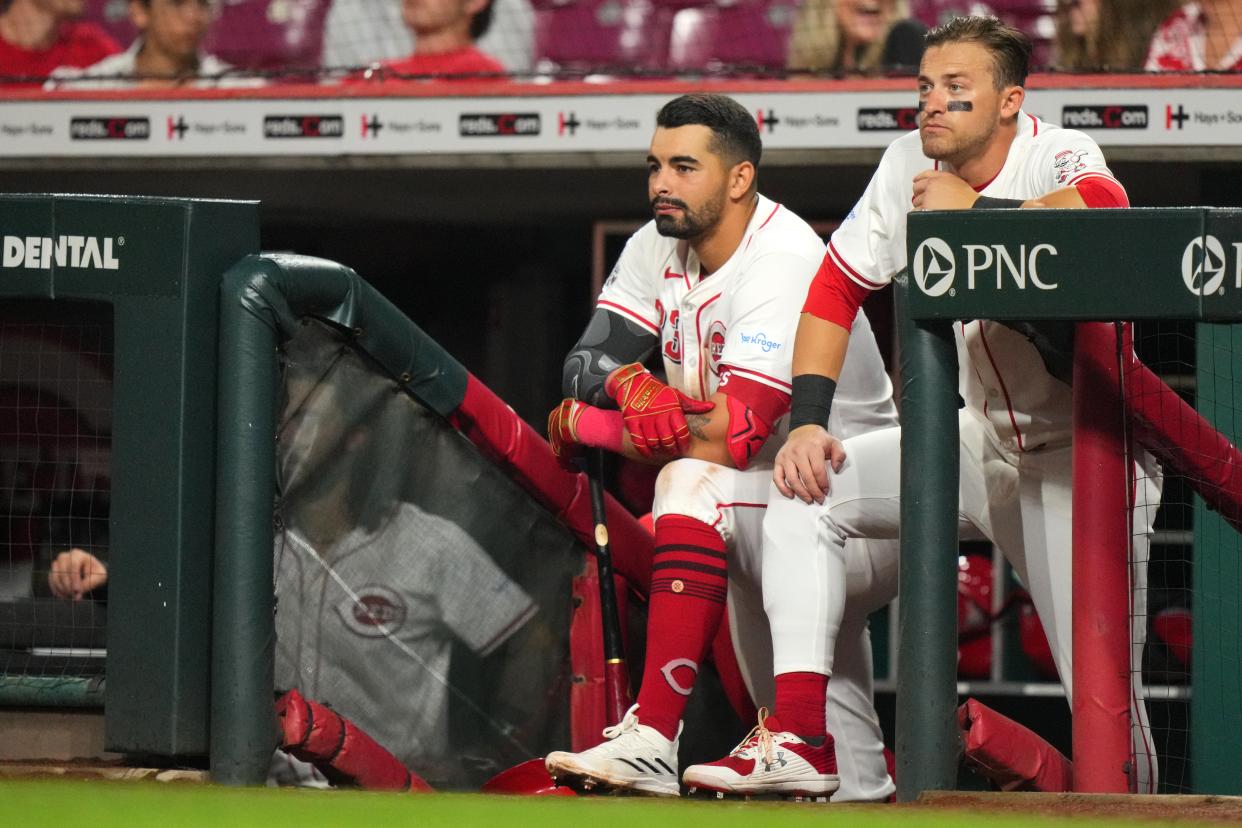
[[36, 36], [1199, 37], [856, 36], [363, 32], [1081, 44], [167, 52], [444, 36]]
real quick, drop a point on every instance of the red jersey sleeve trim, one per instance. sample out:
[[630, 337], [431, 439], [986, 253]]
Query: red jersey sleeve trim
[[1099, 190], [604, 303], [758, 376], [833, 296], [849, 271]]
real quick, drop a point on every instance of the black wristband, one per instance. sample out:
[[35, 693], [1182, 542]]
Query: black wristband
[[989, 203], [812, 400]]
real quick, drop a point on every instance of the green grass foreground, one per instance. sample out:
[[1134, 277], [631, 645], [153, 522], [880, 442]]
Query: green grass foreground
[[93, 804]]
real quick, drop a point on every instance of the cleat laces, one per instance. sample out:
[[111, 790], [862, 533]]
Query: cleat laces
[[758, 742], [628, 722]]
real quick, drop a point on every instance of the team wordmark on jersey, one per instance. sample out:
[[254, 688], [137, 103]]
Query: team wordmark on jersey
[[716, 344]]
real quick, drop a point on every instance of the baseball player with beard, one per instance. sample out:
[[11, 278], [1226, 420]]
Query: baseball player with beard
[[716, 281], [974, 147]]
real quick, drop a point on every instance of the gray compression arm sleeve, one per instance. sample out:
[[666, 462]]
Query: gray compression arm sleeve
[[609, 341]]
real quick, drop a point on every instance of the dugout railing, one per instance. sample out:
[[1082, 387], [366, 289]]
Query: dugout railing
[[197, 325], [1089, 268]]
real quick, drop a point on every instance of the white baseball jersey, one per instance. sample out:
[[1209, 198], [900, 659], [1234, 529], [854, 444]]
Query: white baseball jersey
[[744, 315], [1001, 375], [367, 625]]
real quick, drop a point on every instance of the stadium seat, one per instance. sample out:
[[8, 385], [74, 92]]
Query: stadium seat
[[601, 35], [269, 34], [745, 33]]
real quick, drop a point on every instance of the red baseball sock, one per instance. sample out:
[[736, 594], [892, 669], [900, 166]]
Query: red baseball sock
[[800, 702], [688, 582]]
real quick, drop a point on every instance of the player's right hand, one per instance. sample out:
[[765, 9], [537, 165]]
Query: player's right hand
[[76, 572], [563, 430], [800, 469], [654, 413]]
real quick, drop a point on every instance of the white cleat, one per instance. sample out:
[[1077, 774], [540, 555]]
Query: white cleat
[[634, 758], [768, 762]]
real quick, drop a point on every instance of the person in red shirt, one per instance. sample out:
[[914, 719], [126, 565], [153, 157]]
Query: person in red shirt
[[1200, 36], [444, 36], [37, 36]]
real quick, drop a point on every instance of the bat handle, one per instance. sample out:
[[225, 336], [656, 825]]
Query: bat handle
[[616, 677]]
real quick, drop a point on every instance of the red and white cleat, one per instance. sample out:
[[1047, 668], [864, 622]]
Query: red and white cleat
[[770, 761]]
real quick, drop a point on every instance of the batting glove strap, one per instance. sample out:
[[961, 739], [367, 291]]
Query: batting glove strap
[[812, 400]]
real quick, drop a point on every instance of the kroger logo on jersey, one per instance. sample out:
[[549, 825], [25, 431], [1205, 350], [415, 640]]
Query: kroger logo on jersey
[[760, 340], [936, 266], [1205, 264]]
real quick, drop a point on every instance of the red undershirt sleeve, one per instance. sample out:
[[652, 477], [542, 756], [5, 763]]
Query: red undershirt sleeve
[[1098, 191], [834, 296]]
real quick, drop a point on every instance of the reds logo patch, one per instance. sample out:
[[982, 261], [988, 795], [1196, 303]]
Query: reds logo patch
[[378, 612], [1068, 162], [715, 345], [672, 337]]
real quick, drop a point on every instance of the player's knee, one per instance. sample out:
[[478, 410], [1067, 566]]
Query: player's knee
[[689, 487]]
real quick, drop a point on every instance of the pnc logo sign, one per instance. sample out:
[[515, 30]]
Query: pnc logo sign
[[936, 265], [1204, 265]]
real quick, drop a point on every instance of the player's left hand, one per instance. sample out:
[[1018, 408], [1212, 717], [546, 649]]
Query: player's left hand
[[940, 190], [801, 464], [655, 414]]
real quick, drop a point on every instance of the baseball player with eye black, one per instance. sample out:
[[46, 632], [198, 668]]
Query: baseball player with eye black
[[974, 148], [716, 281]]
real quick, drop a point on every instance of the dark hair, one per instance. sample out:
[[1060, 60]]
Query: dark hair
[[1010, 48], [735, 135], [481, 22]]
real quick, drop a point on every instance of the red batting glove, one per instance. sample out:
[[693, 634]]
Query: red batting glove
[[654, 413], [563, 430]]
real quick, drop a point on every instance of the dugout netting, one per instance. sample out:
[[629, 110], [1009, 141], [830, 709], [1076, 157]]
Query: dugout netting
[[55, 443], [419, 592], [1185, 412]]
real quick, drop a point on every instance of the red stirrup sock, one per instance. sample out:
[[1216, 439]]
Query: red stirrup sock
[[688, 583], [801, 699]]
